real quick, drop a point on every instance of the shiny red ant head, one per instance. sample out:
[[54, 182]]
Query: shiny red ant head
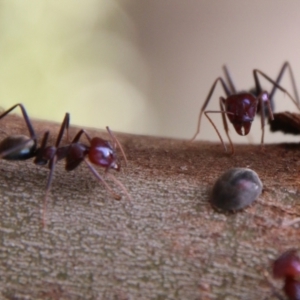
[[103, 154], [241, 109]]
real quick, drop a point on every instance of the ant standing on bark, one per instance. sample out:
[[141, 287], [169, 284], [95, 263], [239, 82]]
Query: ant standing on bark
[[100, 152], [241, 107]]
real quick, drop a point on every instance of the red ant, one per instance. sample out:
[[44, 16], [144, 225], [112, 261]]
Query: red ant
[[241, 107], [287, 266], [100, 152]]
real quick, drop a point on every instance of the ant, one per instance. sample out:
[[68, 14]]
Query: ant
[[100, 152], [241, 107], [287, 267]]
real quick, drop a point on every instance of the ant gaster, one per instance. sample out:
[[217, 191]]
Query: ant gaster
[[100, 152], [241, 107]]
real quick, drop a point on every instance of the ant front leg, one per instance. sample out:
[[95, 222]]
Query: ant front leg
[[227, 92], [223, 112], [117, 143], [264, 100], [225, 124]]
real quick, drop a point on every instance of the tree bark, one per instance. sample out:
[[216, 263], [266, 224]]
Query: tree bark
[[166, 243]]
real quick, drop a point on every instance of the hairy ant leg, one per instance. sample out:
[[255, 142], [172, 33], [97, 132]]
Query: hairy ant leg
[[227, 92]]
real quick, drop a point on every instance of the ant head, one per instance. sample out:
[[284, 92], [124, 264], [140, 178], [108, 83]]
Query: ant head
[[241, 109], [103, 154]]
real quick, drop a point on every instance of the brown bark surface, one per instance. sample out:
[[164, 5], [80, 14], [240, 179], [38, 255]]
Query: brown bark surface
[[167, 243]]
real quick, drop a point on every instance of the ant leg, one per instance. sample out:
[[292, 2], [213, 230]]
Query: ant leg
[[215, 127], [114, 138], [257, 85], [227, 92], [64, 126], [119, 184], [26, 118], [52, 164], [45, 154], [225, 124], [15, 147], [79, 134], [264, 100], [41, 158], [229, 80], [96, 174], [282, 70]]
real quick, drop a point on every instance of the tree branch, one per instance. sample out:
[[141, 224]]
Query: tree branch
[[167, 243]]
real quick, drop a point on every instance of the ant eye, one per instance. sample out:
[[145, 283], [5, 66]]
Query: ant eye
[[236, 189]]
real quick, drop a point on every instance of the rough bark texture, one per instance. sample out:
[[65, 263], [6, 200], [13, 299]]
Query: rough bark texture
[[167, 243]]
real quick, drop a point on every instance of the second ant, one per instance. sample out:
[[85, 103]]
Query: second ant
[[241, 107]]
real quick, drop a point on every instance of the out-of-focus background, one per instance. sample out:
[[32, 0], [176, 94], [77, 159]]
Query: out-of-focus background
[[142, 67]]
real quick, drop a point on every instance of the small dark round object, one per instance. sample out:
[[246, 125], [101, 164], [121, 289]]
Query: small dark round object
[[236, 189]]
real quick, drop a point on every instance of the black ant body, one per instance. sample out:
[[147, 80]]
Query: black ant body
[[100, 152], [241, 107]]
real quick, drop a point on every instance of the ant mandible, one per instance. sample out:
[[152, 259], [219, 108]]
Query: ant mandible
[[100, 152], [241, 107]]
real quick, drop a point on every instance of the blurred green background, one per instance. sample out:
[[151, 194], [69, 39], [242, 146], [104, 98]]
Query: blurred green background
[[141, 66], [73, 56]]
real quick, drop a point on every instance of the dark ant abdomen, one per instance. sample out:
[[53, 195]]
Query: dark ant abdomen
[[25, 147]]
